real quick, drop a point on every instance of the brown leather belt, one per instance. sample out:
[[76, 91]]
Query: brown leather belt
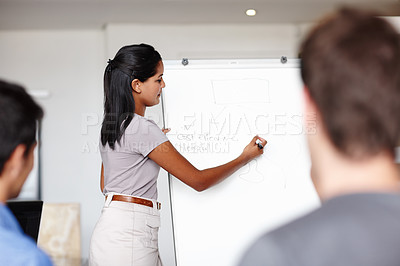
[[140, 201]]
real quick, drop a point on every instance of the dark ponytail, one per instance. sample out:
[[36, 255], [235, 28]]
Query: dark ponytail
[[131, 62]]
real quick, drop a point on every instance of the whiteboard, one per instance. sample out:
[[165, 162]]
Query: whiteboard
[[214, 108]]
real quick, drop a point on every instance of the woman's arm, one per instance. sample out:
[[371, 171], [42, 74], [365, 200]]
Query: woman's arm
[[102, 178], [166, 156]]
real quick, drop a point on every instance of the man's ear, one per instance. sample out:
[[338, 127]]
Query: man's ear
[[312, 114], [136, 86], [15, 164], [309, 104]]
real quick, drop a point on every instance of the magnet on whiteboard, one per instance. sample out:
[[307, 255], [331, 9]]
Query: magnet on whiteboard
[[283, 59], [185, 61]]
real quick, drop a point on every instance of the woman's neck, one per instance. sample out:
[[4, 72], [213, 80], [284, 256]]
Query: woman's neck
[[140, 110]]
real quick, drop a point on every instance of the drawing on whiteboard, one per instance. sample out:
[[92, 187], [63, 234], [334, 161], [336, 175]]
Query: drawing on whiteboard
[[240, 91], [251, 173], [282, 159]]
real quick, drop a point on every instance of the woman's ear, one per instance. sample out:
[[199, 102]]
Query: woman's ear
[[136, 86]]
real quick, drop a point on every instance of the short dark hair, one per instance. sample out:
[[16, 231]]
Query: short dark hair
[[19, 114], [350, 64], [137, 61]]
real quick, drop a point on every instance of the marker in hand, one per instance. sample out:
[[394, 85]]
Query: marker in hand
[[165, 130], [260, 146]]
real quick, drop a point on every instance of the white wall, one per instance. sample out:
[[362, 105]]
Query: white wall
[[208, 41], [70, 64]]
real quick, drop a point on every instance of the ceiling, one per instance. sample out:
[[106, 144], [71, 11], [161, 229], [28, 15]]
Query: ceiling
[[94, 14]]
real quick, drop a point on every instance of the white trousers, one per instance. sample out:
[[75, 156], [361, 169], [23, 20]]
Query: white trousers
[[126, 234]]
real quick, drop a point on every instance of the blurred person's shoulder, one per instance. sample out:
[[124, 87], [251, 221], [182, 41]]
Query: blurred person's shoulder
[[16, 247], [360, 223]]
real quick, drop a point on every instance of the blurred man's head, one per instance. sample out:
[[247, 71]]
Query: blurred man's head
[[19, 115], [351, 71]]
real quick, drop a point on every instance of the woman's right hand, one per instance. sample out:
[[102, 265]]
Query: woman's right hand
[[252, 150]]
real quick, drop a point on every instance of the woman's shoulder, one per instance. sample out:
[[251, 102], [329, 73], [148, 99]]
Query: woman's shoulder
[[145, 120], [140, 123]]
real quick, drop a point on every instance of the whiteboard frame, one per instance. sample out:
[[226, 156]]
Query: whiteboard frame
[[231, 63]]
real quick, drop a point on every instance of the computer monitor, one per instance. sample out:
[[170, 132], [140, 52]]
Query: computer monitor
[[28, 214]]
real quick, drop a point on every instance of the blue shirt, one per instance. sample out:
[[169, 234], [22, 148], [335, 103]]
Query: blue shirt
[[16, 248]]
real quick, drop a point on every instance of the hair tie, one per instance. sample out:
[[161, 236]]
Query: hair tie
[[109, 67]]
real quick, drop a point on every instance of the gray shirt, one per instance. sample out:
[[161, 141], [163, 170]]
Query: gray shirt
[[127, 169], [351, 230]]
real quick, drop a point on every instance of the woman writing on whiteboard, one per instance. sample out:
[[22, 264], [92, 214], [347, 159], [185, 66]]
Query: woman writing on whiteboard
[[132, 149]]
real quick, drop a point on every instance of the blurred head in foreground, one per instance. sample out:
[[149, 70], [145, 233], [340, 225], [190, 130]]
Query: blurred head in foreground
[[351, 71], [19, 115]]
